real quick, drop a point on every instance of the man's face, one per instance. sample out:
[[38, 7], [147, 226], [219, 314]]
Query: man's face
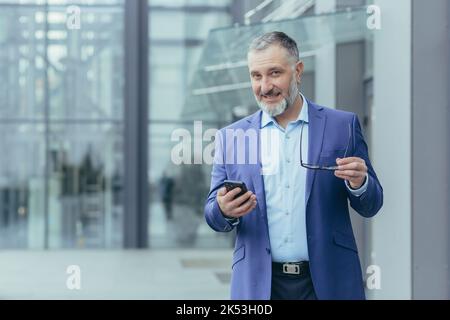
[[274, 79]]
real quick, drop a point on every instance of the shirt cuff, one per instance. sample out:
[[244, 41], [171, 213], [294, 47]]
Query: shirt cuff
[[361, 190], [232, 221]]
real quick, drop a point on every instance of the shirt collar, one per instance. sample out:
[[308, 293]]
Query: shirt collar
[[266, 119]]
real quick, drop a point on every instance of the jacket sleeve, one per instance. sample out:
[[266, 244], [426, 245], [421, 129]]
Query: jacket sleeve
[[213, 215], [371, 201]]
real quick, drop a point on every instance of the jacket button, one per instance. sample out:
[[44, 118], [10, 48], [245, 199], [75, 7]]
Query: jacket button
[[268, 250]]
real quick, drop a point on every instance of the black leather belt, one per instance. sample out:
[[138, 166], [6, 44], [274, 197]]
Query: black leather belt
[[292, 268]]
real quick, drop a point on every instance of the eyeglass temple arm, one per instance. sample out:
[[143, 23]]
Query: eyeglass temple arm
[[349, 139], [301, 140]]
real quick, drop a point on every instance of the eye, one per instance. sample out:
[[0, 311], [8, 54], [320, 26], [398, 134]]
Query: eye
[[276, 73], [256, 76]]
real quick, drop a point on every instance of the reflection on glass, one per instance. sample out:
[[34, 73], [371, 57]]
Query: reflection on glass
[[178, 192], [22, 197], [221, 81], [220, 90], [86, 186], [61, 122]]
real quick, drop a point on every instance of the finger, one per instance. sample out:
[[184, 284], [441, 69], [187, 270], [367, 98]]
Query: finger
[[342, 161], [342, 178], [349, 174], [339, 174], [231, 194], [356, 166], [222, 191], [240, 200], [250, 209], [245, 208], [355, 181], [347, 179], [349, 166]]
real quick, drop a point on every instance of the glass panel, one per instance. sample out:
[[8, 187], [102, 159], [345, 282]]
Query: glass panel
[[22, 74], [178, 3], [22, 185], [85, 66], [178, 192], [221, 83], [61, 179], [200, 24], [220, 90], [22, 67], [85, 192], [167, 81]]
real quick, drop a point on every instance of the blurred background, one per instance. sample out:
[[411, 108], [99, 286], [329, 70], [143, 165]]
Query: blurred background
[[92, 91]]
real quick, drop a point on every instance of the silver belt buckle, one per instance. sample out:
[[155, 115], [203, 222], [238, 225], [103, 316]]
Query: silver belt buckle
[[291, 268]]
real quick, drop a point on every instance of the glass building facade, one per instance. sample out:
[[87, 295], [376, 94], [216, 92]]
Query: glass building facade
[[178, 34], [62, 112], [71, 162], [62, 118]]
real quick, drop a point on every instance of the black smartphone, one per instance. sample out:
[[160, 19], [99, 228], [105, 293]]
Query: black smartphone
[[230, 185]]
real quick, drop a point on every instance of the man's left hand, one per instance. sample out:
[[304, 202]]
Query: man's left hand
[[353, 170]]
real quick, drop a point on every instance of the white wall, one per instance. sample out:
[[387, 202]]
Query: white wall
[[391, 144], [325, 64]]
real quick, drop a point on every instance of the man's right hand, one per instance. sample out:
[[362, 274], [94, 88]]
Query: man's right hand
[[235, 208]]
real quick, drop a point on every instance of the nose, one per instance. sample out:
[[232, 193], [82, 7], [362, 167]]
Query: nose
[[266, 86]]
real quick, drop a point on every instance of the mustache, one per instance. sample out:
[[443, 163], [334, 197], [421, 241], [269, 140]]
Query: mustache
[[272, 92]]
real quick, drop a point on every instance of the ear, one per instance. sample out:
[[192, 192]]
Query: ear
[[299, 70]]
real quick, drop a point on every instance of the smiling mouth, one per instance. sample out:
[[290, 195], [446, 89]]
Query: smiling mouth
[[272, 97]]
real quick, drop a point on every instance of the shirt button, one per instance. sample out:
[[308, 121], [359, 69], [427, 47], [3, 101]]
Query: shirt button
[[288, 161], [288, 137], [287, 213], [287, 186], [285, 240]]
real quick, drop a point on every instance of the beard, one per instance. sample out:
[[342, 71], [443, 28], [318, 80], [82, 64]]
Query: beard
[[282, 106]]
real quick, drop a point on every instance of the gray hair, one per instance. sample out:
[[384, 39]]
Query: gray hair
[[276, 38]]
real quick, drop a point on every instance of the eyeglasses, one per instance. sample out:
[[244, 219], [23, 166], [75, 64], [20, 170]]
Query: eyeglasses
[[317, 166]]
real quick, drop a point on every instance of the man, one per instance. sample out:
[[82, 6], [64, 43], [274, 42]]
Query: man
[[294, 236], [166, 190]]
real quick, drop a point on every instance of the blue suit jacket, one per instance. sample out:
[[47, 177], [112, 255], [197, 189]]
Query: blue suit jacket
[[334, 262]]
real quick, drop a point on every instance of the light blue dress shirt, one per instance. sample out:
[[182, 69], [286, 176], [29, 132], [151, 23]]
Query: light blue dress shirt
[[285, 186]]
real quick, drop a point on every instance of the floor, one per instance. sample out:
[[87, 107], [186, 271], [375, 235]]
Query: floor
[[120, 274]]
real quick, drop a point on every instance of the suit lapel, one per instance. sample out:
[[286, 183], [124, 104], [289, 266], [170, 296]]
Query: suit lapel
[[316, 127], [255, 169]]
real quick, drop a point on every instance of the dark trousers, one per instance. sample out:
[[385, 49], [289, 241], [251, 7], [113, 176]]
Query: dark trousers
[[292, 286], [168, 209]]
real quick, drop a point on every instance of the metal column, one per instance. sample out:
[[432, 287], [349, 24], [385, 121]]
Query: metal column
[[136, 125]]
